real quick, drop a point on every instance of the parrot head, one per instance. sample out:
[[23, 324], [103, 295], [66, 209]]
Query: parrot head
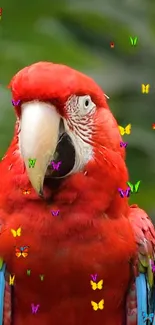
[[63, 117]]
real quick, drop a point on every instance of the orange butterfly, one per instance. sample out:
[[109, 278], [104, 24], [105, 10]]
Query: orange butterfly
[[26, 192], [22, 251]]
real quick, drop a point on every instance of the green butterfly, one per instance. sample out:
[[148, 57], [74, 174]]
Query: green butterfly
[[28, 272], [133, 40], [32, 163], [134, 187]]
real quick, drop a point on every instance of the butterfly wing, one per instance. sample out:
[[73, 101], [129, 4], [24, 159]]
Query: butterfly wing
[[131, 40], [121, 192], [53, 164], [14, 233], [94, 305], [127, 192], [143, 88], [25, 251], [101, 304], [137, 186], [128, 129], [145, 316], [131, 186], [100, 284], [93, 284], [18, 232], [121, 130], [147, 88], [151, 317], [18, 252]]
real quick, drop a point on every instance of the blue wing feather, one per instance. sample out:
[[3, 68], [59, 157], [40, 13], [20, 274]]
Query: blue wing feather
[[142, 302], [2, 289]]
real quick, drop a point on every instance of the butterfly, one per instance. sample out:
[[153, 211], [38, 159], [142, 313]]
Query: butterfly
[[124, 193], [11, 279], [55, 213], [126, 130], [99, 305], [134, 187], [41, 277], [21, 251], [123, 144], [153, 266], [56, 165], [16, 233], [32, 163], [34, 308], [95, 285], [28, 272], [26, 192], [94, 276], [15, 103], [147, 317], [145, 89], [112, 44], [133, 40]]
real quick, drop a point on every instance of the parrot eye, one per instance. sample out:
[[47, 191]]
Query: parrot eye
[[85, 104]]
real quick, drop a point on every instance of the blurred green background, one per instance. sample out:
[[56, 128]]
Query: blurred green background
[[78, 33]]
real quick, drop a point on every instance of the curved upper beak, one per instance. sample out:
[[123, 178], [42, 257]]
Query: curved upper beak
[[38, 139]]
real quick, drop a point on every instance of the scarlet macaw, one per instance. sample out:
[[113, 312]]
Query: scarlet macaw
[[63, 116]]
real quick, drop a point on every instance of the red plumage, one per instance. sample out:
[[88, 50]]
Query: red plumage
[[92, 233]]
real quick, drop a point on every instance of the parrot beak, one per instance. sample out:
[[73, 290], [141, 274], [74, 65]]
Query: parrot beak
[[38, 139]]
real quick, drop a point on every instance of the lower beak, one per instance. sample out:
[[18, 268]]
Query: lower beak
[[38, 139]]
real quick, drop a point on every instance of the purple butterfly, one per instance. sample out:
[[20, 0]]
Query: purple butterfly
[[55, 213], [94, 277], [34, 308], [56, 165], [14, 103], [124, 193], [123, 144], [153, 266]]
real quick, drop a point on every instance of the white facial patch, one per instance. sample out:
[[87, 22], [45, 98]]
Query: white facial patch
[[78, 126]]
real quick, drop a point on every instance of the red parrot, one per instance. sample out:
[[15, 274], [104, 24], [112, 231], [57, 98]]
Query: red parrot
[[80, 254]]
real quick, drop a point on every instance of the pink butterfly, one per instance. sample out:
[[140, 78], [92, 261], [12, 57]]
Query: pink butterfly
[[94, 276], [15, 103], [153, 266], [34, 308], [124, 193], [123, 144], [55, 213], [56, 165]]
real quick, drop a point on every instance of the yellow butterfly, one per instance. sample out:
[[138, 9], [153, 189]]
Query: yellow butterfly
[[98, 285], [145, 88], [11, 280], [99, 305], [16, 233], [126, 130]]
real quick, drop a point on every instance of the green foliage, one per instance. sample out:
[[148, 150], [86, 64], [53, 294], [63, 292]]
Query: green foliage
[[78, 33]]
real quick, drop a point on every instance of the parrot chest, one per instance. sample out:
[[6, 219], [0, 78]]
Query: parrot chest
[[73, 266], [69, 258]]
